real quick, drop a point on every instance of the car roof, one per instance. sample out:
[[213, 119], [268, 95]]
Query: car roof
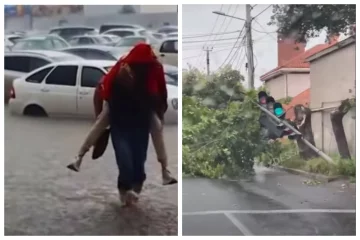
[[169, 39], [43, 53], [98, 47], [122, 24], [95, 63], [72, 27], [124, 29], [168, 27]]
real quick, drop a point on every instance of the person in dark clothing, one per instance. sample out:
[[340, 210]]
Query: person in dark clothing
[[135, 98]]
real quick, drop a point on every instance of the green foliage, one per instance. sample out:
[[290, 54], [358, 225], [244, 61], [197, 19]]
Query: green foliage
[[286, 156], [220, 125], [286, 100], [304, 21]]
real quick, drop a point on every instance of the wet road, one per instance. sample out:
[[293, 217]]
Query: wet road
[[42, 197], [273, 203]]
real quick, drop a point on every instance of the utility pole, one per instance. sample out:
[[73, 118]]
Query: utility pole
[[208, 50], [249, 46]]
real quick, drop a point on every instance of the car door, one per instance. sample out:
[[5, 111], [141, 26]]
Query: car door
[[59, 90], [89, 79], [168, 52]]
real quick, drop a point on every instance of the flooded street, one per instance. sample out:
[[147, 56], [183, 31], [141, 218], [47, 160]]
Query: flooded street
[[43, 197]]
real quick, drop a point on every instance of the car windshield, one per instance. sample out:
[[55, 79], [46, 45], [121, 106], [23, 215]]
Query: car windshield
[[100, 40], [117, 53], [32, 44], [129, 42]]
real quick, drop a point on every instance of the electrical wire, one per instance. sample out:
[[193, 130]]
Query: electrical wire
[[209, 34], [262, 11], [201, 51]]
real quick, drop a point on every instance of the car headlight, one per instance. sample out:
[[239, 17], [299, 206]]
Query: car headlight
[[174, 103]]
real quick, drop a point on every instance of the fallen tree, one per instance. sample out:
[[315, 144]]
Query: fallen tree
[[303, 124]]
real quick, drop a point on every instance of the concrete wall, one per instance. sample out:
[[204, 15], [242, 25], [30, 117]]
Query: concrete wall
[[154, 20], [332, 80], [323, 132], [276, 87], [288, 85], [297, 83]]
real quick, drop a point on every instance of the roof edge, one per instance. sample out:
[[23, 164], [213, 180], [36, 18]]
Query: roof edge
[[331, 49], [281, 71]]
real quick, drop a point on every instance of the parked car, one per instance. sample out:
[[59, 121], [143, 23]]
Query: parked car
[[87, 40], [71, 83], [18, 63], [168, 51], [68, 32], [97, 52], [13, 38], [112, 39], [158, 36], [109, 26], [172, 35], [49, 42], [168, 29], [132, 41], [127, 32]]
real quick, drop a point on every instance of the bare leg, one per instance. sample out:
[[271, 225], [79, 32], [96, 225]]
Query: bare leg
[[159, 145], [102, 122]]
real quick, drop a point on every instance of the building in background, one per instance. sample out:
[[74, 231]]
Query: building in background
[[158, 8]]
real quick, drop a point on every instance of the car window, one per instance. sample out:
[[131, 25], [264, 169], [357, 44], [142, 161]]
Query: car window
[[58, 43], [36, 63], [78, 52], [17, 63], [122, 33], [63, 75], [169, 47], [105, 28], [143, 33], [98, 55], [73, 41], [91, 76], [33, 44], [39, 76], [84, 40], [129, 42]]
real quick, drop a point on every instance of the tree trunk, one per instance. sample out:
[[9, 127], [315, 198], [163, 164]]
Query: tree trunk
[[336, 117], [303, 124]]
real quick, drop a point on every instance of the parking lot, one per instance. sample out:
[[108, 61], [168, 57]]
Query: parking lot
[[42, 197]]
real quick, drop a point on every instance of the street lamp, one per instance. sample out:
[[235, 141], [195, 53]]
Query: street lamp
[[226, 15]]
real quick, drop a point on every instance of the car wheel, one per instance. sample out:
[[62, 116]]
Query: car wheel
[[35, 111]]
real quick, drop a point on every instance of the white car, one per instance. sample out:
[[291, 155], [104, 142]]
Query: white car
[[67, 89], [127, 32], [168, 51], [19, 63]]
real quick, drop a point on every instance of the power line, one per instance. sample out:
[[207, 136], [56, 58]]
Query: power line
[[201, 51], [215, 40], [267, 33], [262, 11], [210, 34], [233, 47]]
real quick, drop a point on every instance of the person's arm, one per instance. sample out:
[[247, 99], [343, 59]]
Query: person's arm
[[162, 93], [98, 100]]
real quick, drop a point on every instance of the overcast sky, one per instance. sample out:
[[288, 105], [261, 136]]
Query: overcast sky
[[199, 20]]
